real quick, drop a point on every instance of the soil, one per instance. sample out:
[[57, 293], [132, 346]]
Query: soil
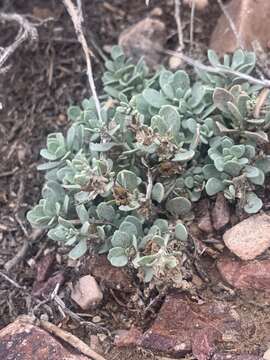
[[43, 80]]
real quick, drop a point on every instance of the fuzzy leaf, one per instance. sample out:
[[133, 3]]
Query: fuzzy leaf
[[78, 251], [158, 192], [253, 203], [105, 211], [117, 257], [181, 232], [214, 186], [178, 206]]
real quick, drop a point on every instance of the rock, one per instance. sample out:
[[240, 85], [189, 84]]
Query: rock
[[110, 276], [175, 62], [86, 292], [128, 338], [24, 341], [251, 21], [204, 218], [45, 267], [199, 4], [252, 275], [250, 237], [182, 326], [146, 38], [266, 355], [45, 288], [220, 213], [226, 356]]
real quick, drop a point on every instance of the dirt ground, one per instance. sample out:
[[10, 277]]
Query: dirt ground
[[43, 81]]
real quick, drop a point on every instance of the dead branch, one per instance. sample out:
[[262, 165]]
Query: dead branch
[[77, 18], [177, 16], [231, 23], [218, 70], [191, 32], [26, 32], [20, 255], [70, 339]]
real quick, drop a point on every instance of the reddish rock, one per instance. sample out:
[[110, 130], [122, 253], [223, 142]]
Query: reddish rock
[[251, 19], [250, 237], [45, 267], [199, 4], [220, 213], [23, 341], [252, 275], [128, 338], [144, 39], [45, 288], [204, 218], [182, 326], [226, 356], [110, 276], [86, 292], [203, 344]]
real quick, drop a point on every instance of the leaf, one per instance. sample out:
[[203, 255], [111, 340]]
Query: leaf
[[252, 171], [154, 98], [178, 206], [118, 257], [210, 171], [171, 118], [238, 150], [128, 180], [264, 164], [79, 250], [105, 211], [213, 58], [74, 113], [148, 260], [129, 228], [221, 97], [233, 168], [181, 232], [102, 146], [184, 156], [162, 224], [214, 186], [121, 239], [258, 180], [158, 192], [253, 203], [82, 213]]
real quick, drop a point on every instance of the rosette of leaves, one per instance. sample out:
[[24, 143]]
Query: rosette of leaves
[[124, 77], [234, 170], [156, 254], [242, 114]]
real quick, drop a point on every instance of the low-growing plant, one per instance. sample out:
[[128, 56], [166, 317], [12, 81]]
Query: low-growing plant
[[125, 184]]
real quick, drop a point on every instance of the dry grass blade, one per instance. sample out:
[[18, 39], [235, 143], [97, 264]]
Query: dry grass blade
[[177, 16], [26, 32], [77, 17], [218, 70]]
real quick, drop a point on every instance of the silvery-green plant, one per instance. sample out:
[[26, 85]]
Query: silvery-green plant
[[124, 183]]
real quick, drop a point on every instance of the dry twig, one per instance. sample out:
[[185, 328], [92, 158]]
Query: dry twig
[[77, 17], [231, 23], [23, 251], [26, 32], [72, 340], [191, 31], [219, 70], [177, 16]]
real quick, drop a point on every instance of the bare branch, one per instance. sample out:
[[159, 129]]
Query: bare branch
[[76, 18], [218, 70], [26, 32], [191, 33], [177, 16]]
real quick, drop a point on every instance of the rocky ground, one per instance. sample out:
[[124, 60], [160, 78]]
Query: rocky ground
[[223, 310]]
